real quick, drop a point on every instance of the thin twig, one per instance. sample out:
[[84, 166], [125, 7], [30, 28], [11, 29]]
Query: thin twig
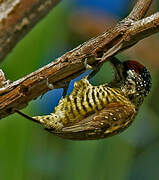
[[140, 9]]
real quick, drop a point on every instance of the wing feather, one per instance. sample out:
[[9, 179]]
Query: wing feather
[[113, 119]]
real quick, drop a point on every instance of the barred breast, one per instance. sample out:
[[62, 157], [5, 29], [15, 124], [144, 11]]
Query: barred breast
[[84, 100]]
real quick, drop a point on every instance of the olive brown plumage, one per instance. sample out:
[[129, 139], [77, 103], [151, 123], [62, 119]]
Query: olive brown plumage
[[95, 112]]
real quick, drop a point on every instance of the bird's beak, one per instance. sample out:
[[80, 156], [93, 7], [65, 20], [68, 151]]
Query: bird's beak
[[118, 68]]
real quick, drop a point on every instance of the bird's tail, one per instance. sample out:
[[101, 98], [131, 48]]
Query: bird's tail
[[26, 116], [49, 121]]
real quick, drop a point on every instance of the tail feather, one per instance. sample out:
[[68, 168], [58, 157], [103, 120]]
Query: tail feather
[[49, 121], [26, 116]]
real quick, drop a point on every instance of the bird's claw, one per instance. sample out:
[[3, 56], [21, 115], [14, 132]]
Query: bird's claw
[[49, 85], [94, 69]]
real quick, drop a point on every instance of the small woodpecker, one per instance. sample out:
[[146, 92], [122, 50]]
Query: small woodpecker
[[95, 112]]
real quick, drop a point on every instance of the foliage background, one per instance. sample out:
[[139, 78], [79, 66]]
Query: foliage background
[[29, 152]]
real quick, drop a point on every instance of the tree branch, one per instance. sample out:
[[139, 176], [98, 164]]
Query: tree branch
[[126, 33], [140, 9], [17, 17]]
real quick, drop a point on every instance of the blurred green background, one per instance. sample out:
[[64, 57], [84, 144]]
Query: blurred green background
[[29, 152]]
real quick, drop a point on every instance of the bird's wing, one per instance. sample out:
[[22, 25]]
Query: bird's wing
[[114, 118]]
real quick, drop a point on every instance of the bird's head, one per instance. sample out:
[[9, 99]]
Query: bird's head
[[134, 78]]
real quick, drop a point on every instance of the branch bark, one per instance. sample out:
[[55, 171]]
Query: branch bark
[[17, 17], [140, 9], [126, 33]]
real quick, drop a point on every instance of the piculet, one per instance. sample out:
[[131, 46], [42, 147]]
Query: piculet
[[95, 112]]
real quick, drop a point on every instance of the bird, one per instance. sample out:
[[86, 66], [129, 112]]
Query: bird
[[96, 112]]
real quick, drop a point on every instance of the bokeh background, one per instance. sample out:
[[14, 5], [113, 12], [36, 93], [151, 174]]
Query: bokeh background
[[29, 152]]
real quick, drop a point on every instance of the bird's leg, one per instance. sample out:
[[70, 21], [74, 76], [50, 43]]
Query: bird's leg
[[49, 85], [65, 88], [86, 65], [64, 85], [95, 69]]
